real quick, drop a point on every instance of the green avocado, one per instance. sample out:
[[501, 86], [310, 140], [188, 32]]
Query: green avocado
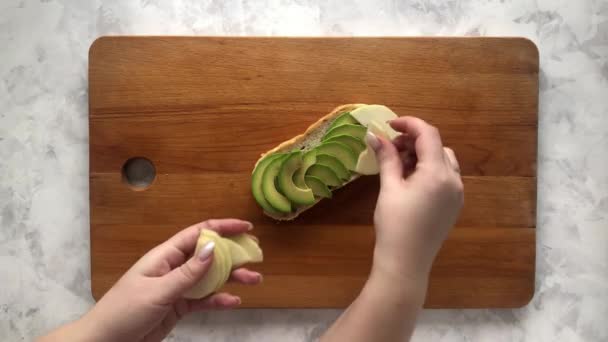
[[355, 131], [334, 164], [279, 202], [325, 175], [343, 119], [308, 160], [318, 187], [256, 182], [343, 153], [355, 144], [296, 195]]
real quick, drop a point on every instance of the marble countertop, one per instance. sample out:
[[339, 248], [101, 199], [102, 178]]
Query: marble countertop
[[44, 230]]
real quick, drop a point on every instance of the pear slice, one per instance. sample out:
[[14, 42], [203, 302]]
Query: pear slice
[[244, 249], [367, 164], [378, 113], [229, 253]]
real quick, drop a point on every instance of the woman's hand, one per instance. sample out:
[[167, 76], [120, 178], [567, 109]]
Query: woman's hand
[[420, 198], [146, 303]]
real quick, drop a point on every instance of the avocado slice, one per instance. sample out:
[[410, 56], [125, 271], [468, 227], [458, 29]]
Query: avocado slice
[[334, 164], [355, 144], [296, 195], [279, 202], [318, 187], [308, 160], [343, 119], [256, 182], [343, 153], [355, 131], [325, 174]]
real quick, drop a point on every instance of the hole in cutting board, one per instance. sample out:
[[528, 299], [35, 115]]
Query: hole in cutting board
[[138, 173]]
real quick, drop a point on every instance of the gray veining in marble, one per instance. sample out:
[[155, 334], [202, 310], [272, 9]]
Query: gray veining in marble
[[44, 258]]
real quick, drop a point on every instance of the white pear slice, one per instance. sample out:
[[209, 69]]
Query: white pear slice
[[378, 113], [229, 253], [367, 164], [244, 249]]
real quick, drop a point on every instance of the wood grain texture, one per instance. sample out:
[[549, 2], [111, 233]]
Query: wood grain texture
[[203, 109]]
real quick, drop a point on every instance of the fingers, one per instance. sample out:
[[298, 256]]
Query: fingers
[[408, 160], [391, 166], [220, 300], [228, 226], [404, 142], [451, 159], [185, 240], [180, 246], [184, 277], [174, 251], [245, 276], [427, 141]]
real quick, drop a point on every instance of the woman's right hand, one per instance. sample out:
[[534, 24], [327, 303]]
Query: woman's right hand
[[420, 198]]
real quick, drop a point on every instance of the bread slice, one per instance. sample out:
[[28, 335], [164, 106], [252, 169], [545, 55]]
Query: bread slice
[[305, 141]]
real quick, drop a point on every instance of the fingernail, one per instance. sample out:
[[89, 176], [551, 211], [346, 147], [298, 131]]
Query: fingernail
[[372, 140], [260, 278], [250, 226], [206, 251]]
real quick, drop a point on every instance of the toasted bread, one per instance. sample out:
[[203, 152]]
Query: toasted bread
[[307, 140]]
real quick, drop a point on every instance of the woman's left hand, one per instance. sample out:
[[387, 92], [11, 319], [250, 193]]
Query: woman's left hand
[[147, 302]]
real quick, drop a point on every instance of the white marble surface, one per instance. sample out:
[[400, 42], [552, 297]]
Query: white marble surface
[[44, 236]]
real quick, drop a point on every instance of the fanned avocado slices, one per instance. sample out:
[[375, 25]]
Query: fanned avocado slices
[[297, 195]]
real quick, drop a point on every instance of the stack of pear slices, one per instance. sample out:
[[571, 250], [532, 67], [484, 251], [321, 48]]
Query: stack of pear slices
[[229, 253]]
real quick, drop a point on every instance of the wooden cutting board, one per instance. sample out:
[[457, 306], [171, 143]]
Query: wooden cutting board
[[203, 109]]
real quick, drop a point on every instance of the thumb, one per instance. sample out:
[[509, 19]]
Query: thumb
[[182, 278], [389, 162]]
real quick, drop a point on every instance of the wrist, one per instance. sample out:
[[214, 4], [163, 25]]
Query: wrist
[[401, 263], [398, 282], [400, 275], [90, 329], [394, 292], [81, 330]]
